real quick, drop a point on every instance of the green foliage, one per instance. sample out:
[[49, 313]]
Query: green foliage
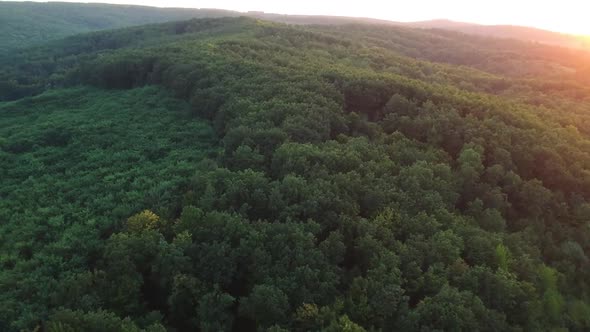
[[67, 320], [266, 305], [503, 257], [344, 324], [78, 162], [214, 312], [357, 188], [26, 24], [452, 310], [144, 220]]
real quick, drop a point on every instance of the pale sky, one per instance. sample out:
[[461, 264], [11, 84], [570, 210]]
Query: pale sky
[[572, 16]]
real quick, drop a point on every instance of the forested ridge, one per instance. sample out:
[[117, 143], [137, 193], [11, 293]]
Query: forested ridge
[[510, 32], [237, 174], [26, 24]]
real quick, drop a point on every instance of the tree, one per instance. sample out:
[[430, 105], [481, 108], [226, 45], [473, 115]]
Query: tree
[[215, 311], [266, 305], [553, 302], [344, 324], [145, 220], [503, 257], [454, 310]]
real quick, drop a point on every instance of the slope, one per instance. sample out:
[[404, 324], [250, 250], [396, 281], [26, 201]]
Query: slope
[[74, 162], [25, 24], [357, 188], [30, 23], [509, 32]]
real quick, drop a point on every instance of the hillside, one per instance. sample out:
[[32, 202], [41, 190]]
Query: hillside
[[239, 174], [510, 32], [29, 23], [26, 24]]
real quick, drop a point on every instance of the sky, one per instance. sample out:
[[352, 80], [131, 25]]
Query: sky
[[570, 16]]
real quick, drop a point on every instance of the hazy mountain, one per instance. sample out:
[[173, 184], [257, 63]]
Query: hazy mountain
[[439, 24], [317, 19], [28, 23], [497, 31], [508, 31]]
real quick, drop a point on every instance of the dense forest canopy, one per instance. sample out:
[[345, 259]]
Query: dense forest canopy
[[237, 174]]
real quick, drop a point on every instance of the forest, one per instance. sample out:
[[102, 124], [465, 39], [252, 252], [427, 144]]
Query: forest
[[236, 174], [26, 24]]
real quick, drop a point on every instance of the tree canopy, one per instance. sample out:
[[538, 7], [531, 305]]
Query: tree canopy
[[236, 174]]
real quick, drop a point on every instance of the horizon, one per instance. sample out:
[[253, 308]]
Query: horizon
[[566, 16]]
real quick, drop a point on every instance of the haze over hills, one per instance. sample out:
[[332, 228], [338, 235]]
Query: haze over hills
[[508, 31], [28, 23]]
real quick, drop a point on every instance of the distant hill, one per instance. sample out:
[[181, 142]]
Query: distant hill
[[28, 23], [25, 24], [440, 24], [496, 31], [318, 19], [508, 31]]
